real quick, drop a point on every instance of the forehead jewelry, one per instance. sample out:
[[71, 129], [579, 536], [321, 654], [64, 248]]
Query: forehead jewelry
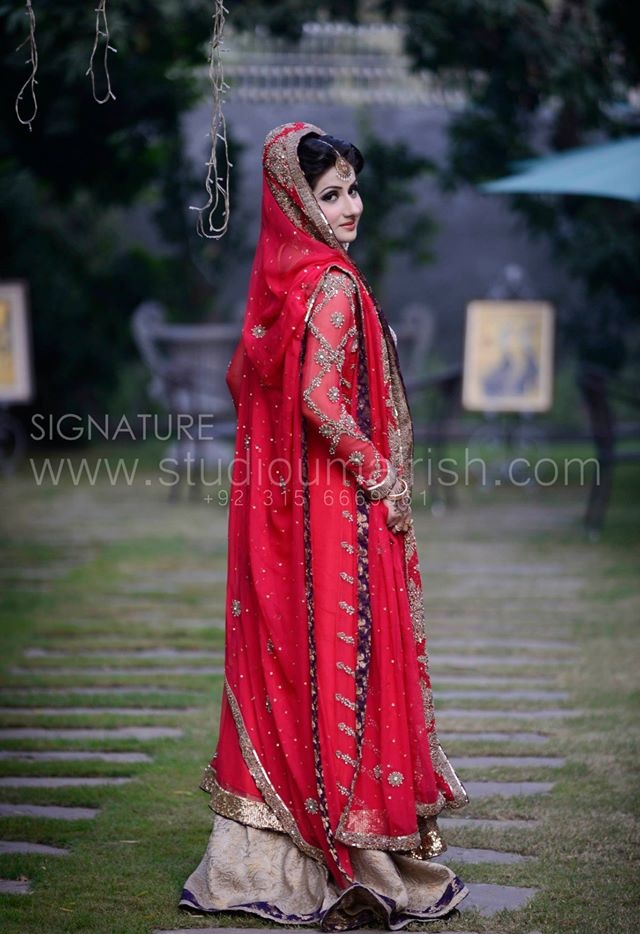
[[343, 168]]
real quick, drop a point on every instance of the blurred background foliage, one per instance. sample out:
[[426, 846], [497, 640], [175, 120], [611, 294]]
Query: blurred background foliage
[[389, 200], [69, 189], [540, 76], [536, 76]]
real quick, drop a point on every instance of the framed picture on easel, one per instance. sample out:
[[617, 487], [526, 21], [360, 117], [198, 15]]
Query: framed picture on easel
[[508, 356], [16, 374]]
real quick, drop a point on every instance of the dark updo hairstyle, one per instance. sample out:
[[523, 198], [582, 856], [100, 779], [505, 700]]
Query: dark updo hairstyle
[[316, 157]]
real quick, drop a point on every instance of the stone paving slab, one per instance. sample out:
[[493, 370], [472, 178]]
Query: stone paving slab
[[461, 854], [507, 789], [48, 811], [119, 672], [100, 691], [22, 846], [541, 695], [473, 713], [507, 642], [151, 588], [171, 583], [488, 899], [18, 781], [490, 737], [520, 762], [49, 572], [154, 617], [194, 623], [517, 679], [500, 568], [95, 711], [182, 575], [15, 887], [142, 733], [124, 653], [69, 756], [455, 823], [477, 661]]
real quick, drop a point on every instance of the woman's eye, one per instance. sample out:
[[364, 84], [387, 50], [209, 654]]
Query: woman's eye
[[354, 190], [330, 196]]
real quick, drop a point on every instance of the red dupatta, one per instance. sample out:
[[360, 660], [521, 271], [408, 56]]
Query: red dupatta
[[333, 766]]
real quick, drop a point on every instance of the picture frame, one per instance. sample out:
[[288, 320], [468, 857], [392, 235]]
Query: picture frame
[[508, 356], [16, 370]]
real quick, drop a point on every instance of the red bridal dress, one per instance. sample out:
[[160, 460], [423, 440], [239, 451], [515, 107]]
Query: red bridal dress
[[328, 774]]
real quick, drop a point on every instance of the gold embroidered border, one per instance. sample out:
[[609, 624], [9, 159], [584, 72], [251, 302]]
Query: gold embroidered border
[[441, 765], [263, 782], [284, 175], [425, 843], [443, 768], [371, 841], [431, 842], [235, 807]]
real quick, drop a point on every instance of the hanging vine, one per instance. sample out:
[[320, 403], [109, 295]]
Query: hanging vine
[[102, 34], [31, 82], [216, 185], [218, 169]]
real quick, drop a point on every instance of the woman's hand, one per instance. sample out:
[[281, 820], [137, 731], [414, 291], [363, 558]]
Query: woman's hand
[[398, 510]]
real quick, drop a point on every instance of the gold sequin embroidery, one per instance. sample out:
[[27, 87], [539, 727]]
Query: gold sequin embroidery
[[348, 671], [346, 638], [345, 728], [245, 811], [346, 758]]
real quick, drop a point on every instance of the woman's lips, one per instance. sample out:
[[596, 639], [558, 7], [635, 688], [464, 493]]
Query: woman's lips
[[349, 226]]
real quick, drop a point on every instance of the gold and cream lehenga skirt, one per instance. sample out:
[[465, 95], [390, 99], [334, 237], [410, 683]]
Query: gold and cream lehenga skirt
[[262, 872]]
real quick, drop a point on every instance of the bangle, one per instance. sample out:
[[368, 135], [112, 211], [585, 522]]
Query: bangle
[[381, 490], [402, 494]]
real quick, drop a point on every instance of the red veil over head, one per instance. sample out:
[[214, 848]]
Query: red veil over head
[[327, 730]]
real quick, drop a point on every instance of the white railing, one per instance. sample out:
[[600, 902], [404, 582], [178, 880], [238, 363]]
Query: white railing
[[332, 63]]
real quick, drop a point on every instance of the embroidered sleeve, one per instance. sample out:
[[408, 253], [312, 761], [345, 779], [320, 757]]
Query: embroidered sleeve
[[326, 404]]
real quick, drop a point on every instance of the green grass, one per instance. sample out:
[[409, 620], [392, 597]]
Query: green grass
[[126, 867]]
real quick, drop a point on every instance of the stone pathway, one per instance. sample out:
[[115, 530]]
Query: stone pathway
[[18, 846], [106, 671], [505, 754], [48, 811], [15, 887], [487, 899], [141, 733]]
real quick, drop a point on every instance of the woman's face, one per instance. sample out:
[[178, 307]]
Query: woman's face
[[340, 203]]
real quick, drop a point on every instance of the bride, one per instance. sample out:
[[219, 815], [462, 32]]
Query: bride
[[328, 775]]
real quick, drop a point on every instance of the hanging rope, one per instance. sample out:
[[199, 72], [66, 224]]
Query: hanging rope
[[102, 33], [33, 61], [216, 186]]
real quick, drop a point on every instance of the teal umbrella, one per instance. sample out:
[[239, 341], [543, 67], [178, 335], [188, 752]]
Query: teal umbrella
[[609, 170]]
